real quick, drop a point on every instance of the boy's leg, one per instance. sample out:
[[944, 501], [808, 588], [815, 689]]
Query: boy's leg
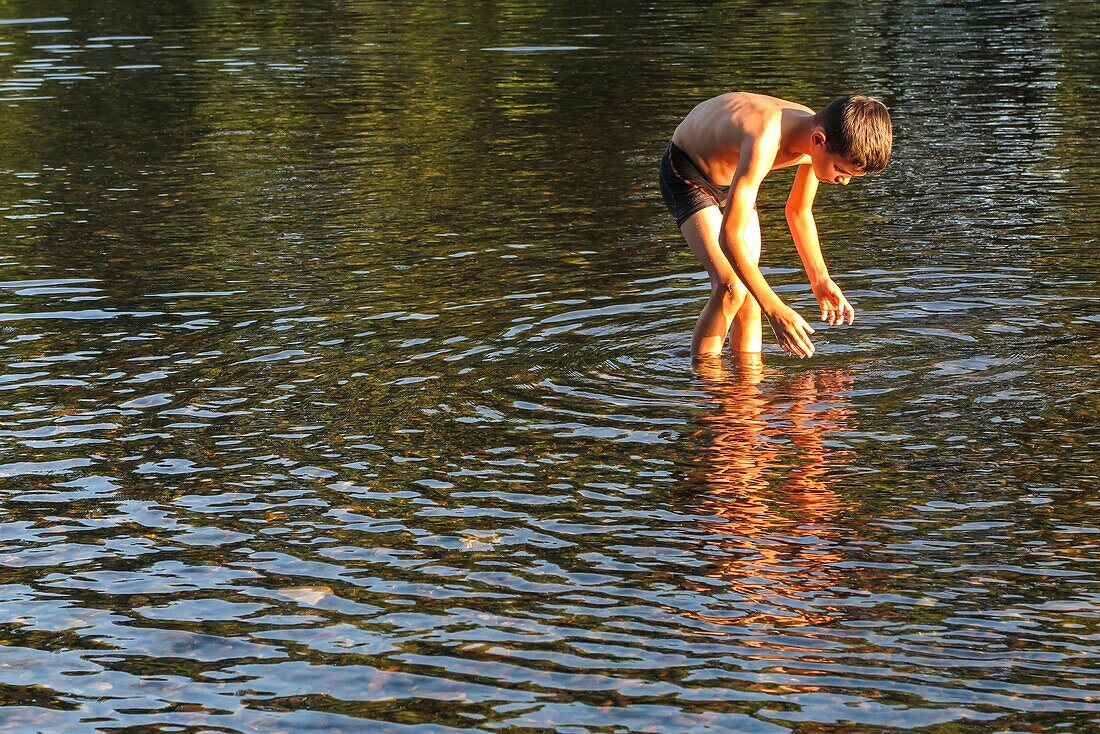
[[745, 334], [727, 294]]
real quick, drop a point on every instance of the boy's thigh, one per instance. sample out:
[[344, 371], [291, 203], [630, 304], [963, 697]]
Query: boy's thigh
[[702, 229], [752, 236]]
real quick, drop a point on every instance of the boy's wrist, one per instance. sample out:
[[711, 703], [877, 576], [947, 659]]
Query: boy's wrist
[[772, 310]]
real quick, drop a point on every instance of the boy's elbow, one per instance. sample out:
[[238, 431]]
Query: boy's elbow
[[797, 211], [735, 246]]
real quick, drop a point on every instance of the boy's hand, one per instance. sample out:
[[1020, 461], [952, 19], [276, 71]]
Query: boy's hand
[[835, 308], [792, 332]]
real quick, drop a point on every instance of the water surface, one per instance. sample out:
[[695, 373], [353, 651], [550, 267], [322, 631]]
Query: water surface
[[346, 382]]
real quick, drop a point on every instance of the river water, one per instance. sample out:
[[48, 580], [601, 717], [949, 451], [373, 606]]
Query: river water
[[346, 382]]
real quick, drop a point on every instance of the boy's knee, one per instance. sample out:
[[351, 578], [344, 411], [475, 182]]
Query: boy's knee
[[728, 289], [749, 311]]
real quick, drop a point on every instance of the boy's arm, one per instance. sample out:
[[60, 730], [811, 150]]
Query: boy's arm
[[835, 308], [755, 161]]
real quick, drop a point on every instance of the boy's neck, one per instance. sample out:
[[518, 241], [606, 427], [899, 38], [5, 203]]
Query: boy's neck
[[801, 126]]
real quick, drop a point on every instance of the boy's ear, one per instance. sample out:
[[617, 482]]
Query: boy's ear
[[817, 137]]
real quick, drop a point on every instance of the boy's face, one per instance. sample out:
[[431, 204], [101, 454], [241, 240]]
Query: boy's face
[[833, 169], [830, 167]]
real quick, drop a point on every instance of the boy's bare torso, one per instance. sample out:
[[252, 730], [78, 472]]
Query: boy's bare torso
[[714, 133]]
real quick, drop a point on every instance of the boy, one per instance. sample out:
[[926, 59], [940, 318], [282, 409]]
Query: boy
[[710, 174]]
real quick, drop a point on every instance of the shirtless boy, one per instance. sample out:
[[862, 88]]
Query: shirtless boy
[[710, 175]]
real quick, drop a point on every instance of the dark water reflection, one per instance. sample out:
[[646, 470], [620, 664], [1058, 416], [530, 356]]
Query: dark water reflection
[[346, 382]]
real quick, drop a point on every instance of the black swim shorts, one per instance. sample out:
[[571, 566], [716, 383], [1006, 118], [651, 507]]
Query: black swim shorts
[[684, 187]]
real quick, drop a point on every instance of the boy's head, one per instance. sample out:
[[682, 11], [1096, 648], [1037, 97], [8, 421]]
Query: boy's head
[[855, 133]]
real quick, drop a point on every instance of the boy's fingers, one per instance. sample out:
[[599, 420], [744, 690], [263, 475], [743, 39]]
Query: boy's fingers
[[805, 346], [792, 346], [806, 340], [797, 340]]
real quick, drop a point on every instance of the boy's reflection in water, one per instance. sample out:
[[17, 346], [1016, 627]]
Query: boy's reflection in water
[[767, 470]]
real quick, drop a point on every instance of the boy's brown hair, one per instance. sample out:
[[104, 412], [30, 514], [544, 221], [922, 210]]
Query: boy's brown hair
[[858, 129]]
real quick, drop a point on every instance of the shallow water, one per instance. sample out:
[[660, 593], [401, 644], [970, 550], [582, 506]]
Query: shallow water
[[346, 383]]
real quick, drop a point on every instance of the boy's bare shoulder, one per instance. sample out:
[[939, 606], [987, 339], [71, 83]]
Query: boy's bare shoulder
[[717, 130], [775, 103], [737, 115], [757, 113]]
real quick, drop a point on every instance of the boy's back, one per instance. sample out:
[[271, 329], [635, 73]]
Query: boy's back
[[714, 133]]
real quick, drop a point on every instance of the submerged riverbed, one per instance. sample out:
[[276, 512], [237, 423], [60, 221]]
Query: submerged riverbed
[[346, 382]]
